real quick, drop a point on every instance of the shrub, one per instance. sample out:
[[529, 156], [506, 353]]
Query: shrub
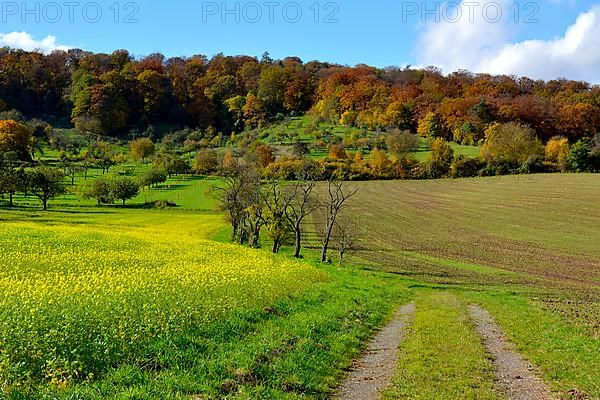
[[466, 167], [440, 159]]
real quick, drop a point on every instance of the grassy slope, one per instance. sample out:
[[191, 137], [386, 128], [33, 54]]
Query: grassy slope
[[300, 124]]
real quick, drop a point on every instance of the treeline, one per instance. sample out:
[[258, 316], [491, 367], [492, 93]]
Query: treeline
[[116, 94]]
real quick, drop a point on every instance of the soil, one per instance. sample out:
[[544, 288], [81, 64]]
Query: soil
[[515, 375], [371, 374]]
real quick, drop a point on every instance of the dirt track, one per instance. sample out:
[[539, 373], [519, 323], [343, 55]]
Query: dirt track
[[514, 374], [373, 372]]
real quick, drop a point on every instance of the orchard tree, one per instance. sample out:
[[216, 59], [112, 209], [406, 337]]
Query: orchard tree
[[124, 189], [141, 149], [299, 204], [99, 190], [401, 143], [236, 196], [152, 178], [12, 181], [345, 236], [336, 200], [171, 163], [207, 162], [278, 226], [46, 183], [264, 155]]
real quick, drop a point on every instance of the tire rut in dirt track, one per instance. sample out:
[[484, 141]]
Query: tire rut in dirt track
[[514, 374], [372, 373]]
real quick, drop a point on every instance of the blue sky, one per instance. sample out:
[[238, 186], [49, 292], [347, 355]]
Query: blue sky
[[378, 32]]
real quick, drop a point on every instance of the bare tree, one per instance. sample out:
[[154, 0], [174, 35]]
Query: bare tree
[[236, 197], [299, 204], [336, 201], [345, 235], [253, 219], [276, 222]]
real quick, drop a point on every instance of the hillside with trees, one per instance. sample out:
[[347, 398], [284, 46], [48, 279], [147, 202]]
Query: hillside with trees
[[74, 111]]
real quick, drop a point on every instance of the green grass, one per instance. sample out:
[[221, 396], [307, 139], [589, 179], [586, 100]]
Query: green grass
[[566, 354], [442, 357], [121, 275], [293, 349]]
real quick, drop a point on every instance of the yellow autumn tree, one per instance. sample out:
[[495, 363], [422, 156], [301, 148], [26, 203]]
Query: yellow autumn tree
[[557, 151], [380, 163], [141, 149], [15, 138]]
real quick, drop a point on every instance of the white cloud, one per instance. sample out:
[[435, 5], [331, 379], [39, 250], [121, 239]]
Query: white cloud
[[482, 46], [23, 40]]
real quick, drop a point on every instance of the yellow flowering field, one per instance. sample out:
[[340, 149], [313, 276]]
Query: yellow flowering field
[[78, 299]]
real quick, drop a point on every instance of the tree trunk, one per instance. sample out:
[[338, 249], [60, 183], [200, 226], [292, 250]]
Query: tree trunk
[[326, 242], [298, 233], [276, 246], [254, 238], [123, 201], [10, 200], [234, 232], [45, 203]]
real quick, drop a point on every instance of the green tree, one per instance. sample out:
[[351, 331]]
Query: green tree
[[124, 188], [579, 156], [153, 178], [171, 163], [99, 190], [46, 183], [12, 181], [431, 126]]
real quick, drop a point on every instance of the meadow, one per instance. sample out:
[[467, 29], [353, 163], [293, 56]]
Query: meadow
[[136, 303]]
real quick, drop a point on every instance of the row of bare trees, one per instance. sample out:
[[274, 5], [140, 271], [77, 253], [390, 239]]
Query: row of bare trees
[[283, 210]]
